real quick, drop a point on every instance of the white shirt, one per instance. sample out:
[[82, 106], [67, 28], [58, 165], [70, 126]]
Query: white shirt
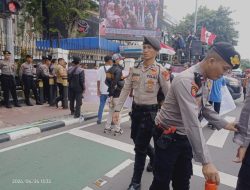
[[101, 76]]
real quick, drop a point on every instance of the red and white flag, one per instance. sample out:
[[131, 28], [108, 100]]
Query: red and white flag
[[206, 36]]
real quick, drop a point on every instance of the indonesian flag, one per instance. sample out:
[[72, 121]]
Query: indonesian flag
[[206, 36]]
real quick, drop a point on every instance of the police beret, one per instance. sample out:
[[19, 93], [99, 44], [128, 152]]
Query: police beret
[[228, 53], [76, 60], [5, 52], [154, 42]]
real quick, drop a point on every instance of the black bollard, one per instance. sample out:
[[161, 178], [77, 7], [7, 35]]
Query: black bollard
[[40, 88], [65, 93]]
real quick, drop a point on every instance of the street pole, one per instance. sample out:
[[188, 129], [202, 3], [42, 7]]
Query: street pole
[[195, 17], [9, 36]]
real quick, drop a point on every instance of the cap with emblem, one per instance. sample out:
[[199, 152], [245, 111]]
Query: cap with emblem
[[76, 59], [117, 56], [154, 42], [228, 53], [6, 52]]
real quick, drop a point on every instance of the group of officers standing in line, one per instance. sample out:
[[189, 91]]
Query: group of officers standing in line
[[176, 125], [48, 68]]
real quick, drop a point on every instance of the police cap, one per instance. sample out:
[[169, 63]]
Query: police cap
[[76, 59], [6, 52], [228, 53], [117, 56], [154, 42]]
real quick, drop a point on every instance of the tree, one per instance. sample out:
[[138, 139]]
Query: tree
[[61, 13], [217, 21]]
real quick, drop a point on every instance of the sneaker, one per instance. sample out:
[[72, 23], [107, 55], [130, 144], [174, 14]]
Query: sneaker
[[134, 186], [118, 132], [107, 130], [149, 167]]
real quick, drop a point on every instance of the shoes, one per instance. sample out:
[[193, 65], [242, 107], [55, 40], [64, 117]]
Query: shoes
[[38, 103], [149, 167], [118, 132], [8, 106], [211, 126], [98, 122], [17, 105], [76, 116], [72, 113], [56, 103], [134, 186], [107, 130]]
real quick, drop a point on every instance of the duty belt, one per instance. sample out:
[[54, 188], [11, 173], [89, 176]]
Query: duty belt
[[143, 107]]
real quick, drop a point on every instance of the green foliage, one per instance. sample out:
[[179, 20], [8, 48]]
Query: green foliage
[[63, 12], [217, 21]]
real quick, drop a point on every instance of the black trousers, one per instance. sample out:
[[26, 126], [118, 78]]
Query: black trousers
[[173, 163], [75, 99], [46, 92], [61, 92], [244, 173], [216, 106], [8, 84], [29, 84], [142, 126]]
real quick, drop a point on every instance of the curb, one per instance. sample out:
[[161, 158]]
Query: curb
[[10, 136]]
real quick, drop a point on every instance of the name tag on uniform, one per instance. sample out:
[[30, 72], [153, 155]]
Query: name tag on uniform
[[152, 76]]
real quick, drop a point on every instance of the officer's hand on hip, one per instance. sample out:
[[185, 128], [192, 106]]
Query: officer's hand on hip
[[115, 117], [231, 127], [211, 173], [240, 154]]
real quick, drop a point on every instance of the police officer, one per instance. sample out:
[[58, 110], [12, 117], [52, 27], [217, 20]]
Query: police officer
[[44, 69], [242, 138], [114, 90], [76, 87], [145, 79], [8, 81], [178, 130], [26, 72]]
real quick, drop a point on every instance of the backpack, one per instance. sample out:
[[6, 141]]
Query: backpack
[[109, 76]]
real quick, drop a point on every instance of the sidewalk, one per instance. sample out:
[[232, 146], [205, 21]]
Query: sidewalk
[[26, 120]]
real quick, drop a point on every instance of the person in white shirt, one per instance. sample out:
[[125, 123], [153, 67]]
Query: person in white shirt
[[102, 88]]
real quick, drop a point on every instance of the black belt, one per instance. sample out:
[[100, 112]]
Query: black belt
[[142, 107], [4, 75]]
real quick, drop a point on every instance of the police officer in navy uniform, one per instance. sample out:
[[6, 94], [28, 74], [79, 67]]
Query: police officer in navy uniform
[[8, 81], [27, 72], [178, 136], [145, 79], [76, 80]]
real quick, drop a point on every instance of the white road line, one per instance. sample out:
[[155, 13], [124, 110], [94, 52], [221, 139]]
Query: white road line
[[87, 188], [103, 140], [218, 138], [226, 179], [119, 168], [47, 137]]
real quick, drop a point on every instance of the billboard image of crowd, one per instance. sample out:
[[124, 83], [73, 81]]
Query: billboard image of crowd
[[130, 17]]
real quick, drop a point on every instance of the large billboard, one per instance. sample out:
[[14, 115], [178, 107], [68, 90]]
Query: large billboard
[[131, 18]]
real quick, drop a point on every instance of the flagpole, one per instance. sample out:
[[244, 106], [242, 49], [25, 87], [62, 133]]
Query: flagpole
[[195, 17]]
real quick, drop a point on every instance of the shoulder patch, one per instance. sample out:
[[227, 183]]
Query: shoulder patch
[[194, 89]]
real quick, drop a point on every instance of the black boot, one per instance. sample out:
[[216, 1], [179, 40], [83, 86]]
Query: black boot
[[8, 106], [16, 104], [134, 186], [38, 103], [149, 167]]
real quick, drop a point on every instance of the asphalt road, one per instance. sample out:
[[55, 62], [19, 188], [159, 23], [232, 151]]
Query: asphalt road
[[75, 157]]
